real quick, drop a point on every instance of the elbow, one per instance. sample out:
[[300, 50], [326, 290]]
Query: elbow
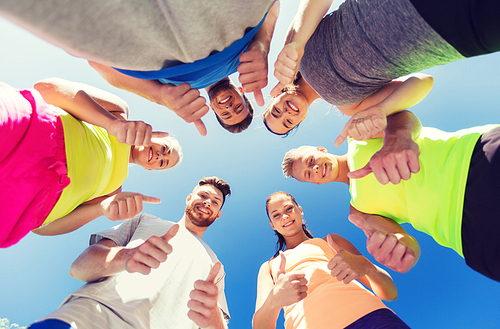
[[74, 272], [392, 296], [429, 82], [78, 272], [44, 86]]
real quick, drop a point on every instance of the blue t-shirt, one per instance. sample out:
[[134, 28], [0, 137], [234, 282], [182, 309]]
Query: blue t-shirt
[[204, 72]]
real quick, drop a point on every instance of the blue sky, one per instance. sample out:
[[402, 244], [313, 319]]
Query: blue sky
[[439, 292]]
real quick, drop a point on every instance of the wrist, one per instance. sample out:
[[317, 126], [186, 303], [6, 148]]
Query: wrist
[[273, 303]]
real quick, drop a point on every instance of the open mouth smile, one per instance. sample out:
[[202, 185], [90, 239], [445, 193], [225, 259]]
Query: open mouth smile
[[150, 157], [289, 223], [203, 210], [292, 107], [225, 100]]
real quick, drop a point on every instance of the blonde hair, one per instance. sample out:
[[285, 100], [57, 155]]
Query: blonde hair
[[173, 144], [290, 157]]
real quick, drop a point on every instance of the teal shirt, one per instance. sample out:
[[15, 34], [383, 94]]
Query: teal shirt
[[432, 199]]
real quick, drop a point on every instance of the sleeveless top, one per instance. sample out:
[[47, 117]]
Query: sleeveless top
[[432, 199], [329, 303], [97, 164]]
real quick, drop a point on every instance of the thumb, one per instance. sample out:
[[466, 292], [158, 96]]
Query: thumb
[[342, 137], [282, 263], [259, 98], [213, 272], [150, 199], [201, 127], [360, 173], [362, 224], [332, 244], [171, 233], [159, 134], [277, 89]]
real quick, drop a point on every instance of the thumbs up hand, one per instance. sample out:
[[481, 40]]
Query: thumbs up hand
[[150, 254], [290, 287], [387, 248], [346, 266], [203, 307]]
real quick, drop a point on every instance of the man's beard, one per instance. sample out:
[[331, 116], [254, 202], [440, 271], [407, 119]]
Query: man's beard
[[195, 218]]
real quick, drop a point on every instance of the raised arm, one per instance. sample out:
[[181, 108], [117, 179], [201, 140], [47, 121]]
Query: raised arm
[[106, 258], [308, 16], [398, 157], [95, 106], [121, 206], [253, 67], [348, 264], [289, 288], [184, 101], [369, 117], [387, 241]]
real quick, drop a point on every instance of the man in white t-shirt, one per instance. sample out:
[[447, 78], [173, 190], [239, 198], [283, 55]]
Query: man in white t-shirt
[[151, 273]]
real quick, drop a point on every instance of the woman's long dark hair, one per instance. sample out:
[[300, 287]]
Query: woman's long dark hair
[[281, 243]]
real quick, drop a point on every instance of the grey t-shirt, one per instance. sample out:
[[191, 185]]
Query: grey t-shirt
[[138, 34], [367, 43], [132, 300]]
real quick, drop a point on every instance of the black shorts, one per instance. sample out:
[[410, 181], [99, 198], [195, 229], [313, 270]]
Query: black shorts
[[481, 215], [472, 27], [383, 318]]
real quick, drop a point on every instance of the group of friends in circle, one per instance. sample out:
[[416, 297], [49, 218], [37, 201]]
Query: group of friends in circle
[[362, 58]]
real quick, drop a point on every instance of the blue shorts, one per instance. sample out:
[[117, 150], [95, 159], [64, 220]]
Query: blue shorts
[[383, 318], [50, 324], [481, 220]]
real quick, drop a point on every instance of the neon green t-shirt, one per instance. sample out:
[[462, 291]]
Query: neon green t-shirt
[[431, 200], [97, 164]]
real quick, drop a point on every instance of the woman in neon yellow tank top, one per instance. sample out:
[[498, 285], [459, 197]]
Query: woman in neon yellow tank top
[[315, 281], [66, 155]]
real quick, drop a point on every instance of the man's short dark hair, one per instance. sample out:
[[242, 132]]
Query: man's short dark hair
[[219, 184], [243, 124]]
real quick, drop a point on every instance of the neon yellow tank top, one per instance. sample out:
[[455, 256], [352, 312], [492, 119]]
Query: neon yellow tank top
[[97, 164], [431, 200]]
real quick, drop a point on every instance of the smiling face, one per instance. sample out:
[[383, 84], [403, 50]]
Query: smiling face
[[284, 215], [314, 165], [286, 111], [203, 205], [160, 155], [227, 102]]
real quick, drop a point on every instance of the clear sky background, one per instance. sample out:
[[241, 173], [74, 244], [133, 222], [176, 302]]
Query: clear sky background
[[439, 292]]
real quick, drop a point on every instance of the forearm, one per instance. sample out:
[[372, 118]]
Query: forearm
[[98, 261], [266, 316], [305, 22], [149, 89], [70, 95], [381, 283], [80, 216], [402, 125], [266, 31], [407, 94]]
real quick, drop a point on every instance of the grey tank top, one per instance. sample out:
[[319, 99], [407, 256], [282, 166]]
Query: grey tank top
[[367, 43]]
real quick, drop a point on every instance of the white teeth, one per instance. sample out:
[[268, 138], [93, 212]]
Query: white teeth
[[203, 210], [288, 224], [225, 100], [293, 107], [150, 154]]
